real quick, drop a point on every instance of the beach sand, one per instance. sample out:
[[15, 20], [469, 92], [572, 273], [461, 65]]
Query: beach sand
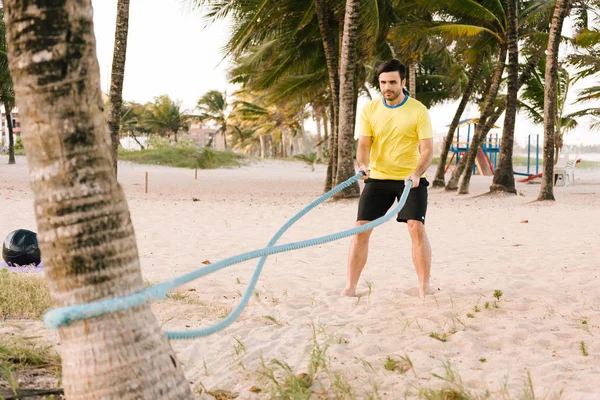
[[544, 258]]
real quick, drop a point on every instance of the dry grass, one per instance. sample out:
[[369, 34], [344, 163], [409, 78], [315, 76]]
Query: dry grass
[[23, 353], [23, 295], [26, 363]]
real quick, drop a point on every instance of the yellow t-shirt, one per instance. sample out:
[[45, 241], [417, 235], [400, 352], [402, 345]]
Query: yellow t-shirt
[[396, 131]]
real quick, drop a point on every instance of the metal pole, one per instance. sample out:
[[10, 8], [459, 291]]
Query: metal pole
[[537, 153], [528, 151], [457, 145]]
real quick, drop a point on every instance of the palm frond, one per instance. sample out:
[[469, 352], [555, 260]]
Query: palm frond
[[591, 93]]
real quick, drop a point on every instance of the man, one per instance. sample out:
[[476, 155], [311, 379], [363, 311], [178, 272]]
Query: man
[[395, 145]]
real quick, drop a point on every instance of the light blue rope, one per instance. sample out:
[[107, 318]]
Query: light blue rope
[[63, 316]]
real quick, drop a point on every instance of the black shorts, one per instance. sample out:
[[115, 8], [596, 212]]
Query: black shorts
[[379, 195]]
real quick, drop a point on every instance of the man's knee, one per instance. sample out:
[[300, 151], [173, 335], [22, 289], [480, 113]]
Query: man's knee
[[363, 236], [416, 229]]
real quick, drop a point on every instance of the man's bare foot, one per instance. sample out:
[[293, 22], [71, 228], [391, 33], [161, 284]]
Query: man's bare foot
[[350, 292], [424, 290]]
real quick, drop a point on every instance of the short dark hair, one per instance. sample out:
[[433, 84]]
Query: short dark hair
[[391, 66]]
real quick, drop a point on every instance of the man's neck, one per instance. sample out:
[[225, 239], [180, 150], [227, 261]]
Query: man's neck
[[397, 100]]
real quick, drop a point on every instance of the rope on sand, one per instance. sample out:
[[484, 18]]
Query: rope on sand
[[65, 315]]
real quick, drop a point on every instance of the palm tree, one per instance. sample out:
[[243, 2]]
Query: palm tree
[[474, 75], [133, 120], [213, 107], [7, 95], [532, 102], [347, 99], [587, 60], [560, 12], [84, 227], [274, 125], [504, 178], [294, 28], [328, 28], [504, 175], [117, 76], [439, 74], [526, 73], [8, 106], [166, 117], [455, 19], [529, 20], [320, 117], [488, 107], [249, 115]]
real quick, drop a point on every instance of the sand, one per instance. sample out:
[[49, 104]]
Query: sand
[[544, 258]]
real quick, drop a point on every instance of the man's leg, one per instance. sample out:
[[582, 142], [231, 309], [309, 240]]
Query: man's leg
[[421, 254], [359, 250]]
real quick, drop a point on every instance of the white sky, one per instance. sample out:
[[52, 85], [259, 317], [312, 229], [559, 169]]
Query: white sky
[[169, 52]]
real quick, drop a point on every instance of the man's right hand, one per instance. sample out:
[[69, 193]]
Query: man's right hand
[[366, 170]]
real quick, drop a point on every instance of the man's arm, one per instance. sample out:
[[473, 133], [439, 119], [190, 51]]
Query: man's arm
[[363, 153], [426, 149]]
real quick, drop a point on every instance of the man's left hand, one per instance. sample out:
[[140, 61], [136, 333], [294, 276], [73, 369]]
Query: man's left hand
[[415, 178]]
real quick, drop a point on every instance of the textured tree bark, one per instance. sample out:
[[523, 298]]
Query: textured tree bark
[[412, 79], [223, 132], [473, 76], [133, 135], [326, 24], [504, 178], [560, 12], [347, 100], [332, 163], [318, 112], [11, 135], [84, 227], [117, 76], [469, 160], [525, 75]]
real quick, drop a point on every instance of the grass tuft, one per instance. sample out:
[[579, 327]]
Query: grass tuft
[[183, 155], [23, 295]]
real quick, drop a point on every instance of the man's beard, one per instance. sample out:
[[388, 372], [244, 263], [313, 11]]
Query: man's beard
[[394, 95]]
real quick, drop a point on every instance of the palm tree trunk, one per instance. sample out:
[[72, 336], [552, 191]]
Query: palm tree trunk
[[117, 76], [326, 24], [412, 79], [84, 227], [136, 140], [490, 97], [504, 178], [524, 77], [11, 136], [557, 145], [224, 131], [319, 120], [560, 12], [473, 76], [491, 91], [332, 163], [347, 100], [261, 138], [325, 125], [305, 149]]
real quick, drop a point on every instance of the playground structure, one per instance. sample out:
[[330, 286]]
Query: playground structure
[[529, 175], [564, 169], [487, 155]]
